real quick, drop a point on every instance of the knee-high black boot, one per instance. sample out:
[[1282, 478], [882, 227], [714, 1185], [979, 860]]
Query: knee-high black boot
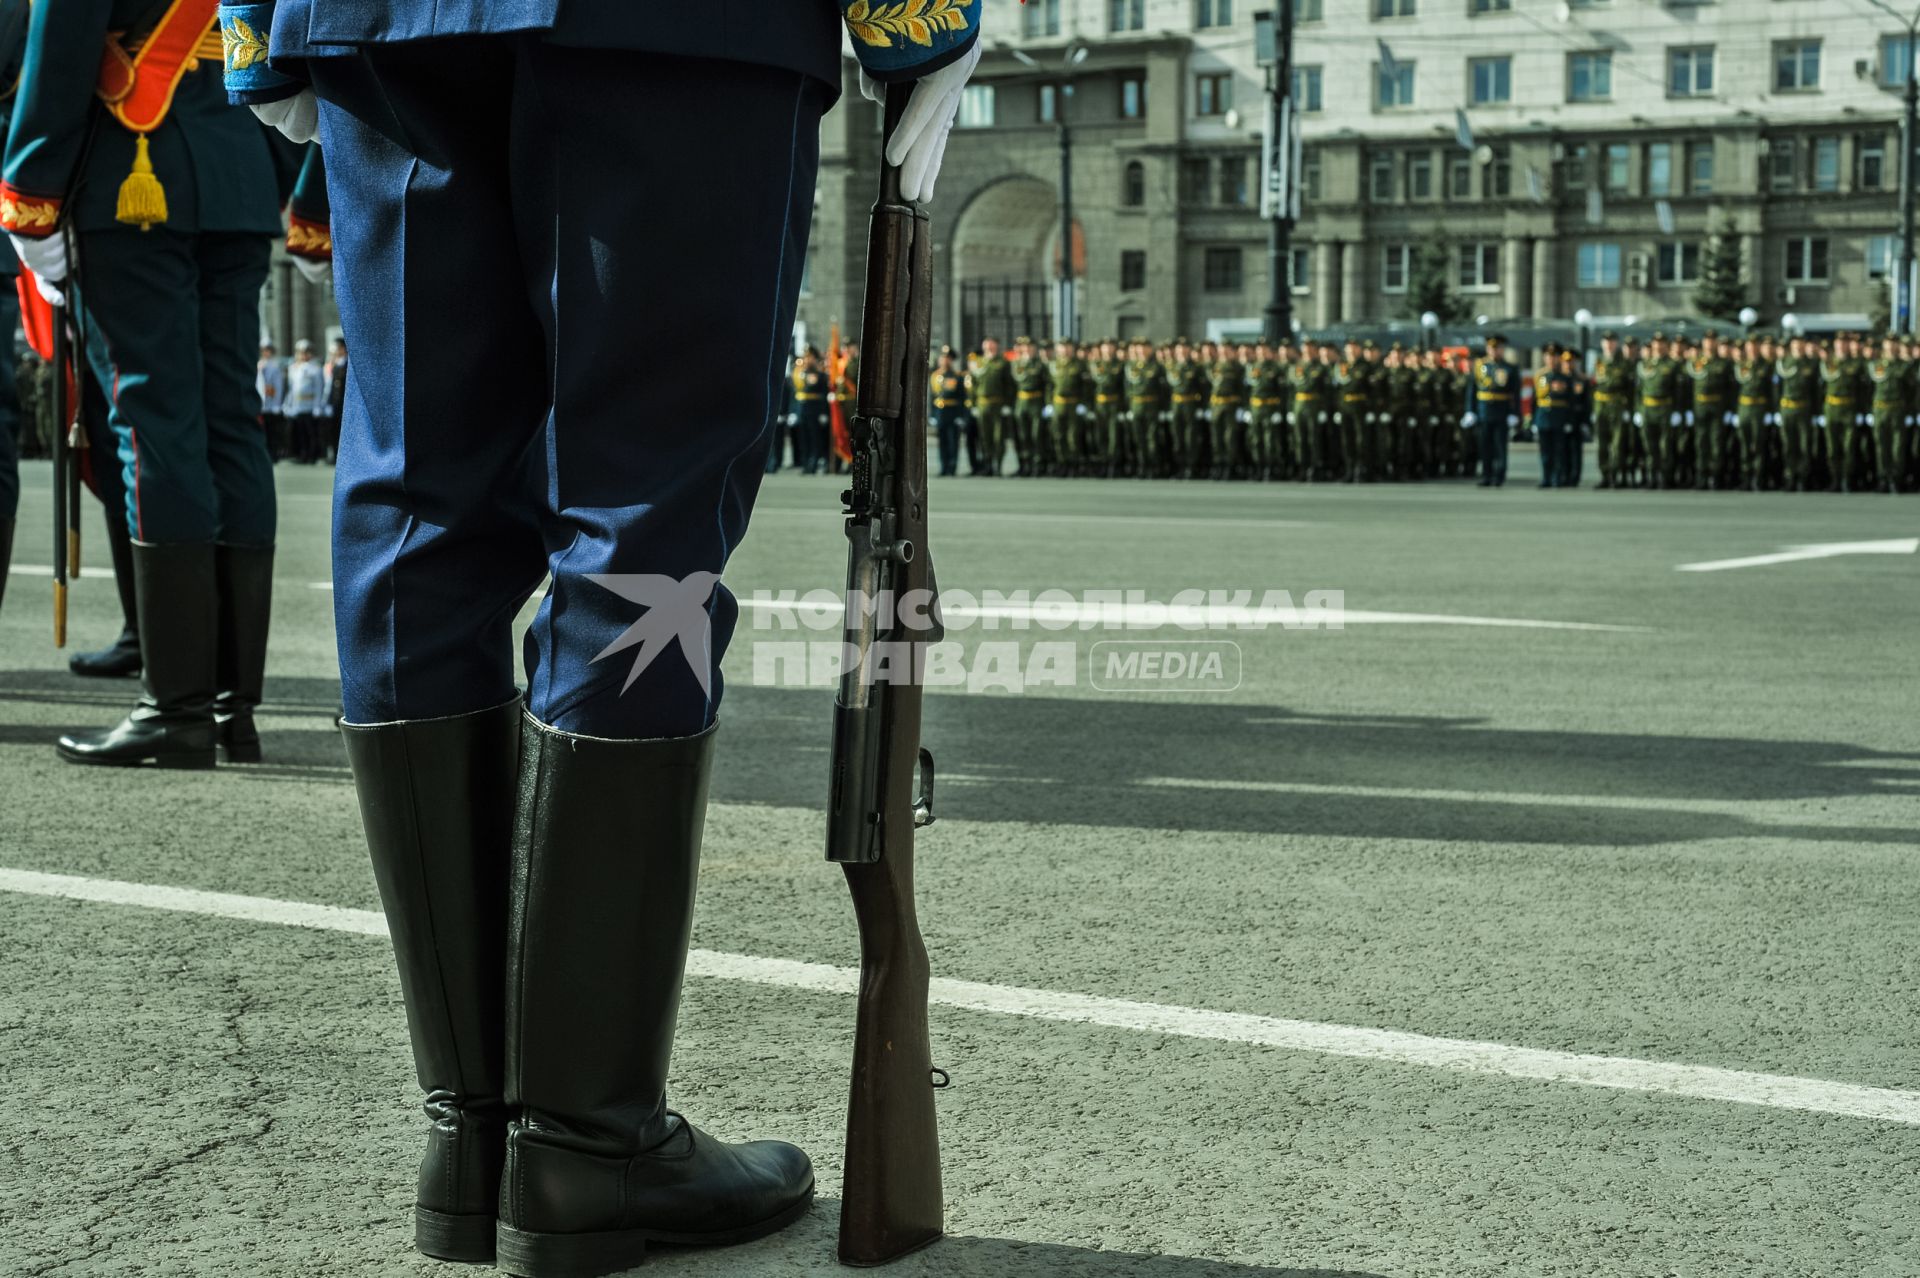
[[245, 575], [436, 796], [606, 849], [6, 554], [121, 658], [172, 726]]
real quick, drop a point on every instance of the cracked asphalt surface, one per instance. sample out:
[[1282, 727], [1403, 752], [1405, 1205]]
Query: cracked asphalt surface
[[1694, 842]]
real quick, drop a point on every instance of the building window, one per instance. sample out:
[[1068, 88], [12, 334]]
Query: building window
[[1783, 164], [1699, 168], [1826, 164], [1589, 77], [1233, 181], [1310, 174], [1879, 256], [1133, 184], [1194, 172], [1380, 178], [1896, 61], [1489, 80], [1690, 72], [1212, 13], [1306, 89], [1393, 87], [1396, 263], [1500, 176], [1300, 270], [1659, 168], [1796, 66], [1213, 93], [1222, 270], [1619, 168], [1490, 6], [1126, 15], [1598, 266], [1573, 169], [976, 107], [1310, 11], [1047, 109], [1870, 161], [1133, 270], [1479, 267], [1133, 97], [1040, 18], [1679, 264], [1394, 8], [1420, 175], [1806, 260], [1460, 179]]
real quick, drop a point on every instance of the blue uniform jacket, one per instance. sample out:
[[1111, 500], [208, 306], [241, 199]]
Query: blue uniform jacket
[[1493, 385], [13, 48], [894, 39], [213, 161]]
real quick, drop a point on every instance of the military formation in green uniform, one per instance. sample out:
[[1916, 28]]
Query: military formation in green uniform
[[1694, 412]]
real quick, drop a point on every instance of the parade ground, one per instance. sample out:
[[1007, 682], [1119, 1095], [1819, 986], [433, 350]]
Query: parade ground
[[1537, 900]]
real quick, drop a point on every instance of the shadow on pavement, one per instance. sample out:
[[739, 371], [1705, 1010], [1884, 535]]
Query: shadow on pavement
[[1155, 764]]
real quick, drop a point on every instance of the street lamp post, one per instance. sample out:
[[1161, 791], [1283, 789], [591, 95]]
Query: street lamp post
[[1065, 309], [1429, 329], [1273, 44], [1583, 320], [1903, 299]]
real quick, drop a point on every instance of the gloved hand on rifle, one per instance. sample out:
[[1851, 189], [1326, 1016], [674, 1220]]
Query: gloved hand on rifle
[[1469, 420], [47, 259], [920, 141]]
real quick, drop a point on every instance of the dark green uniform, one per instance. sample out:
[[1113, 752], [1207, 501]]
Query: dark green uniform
[[1613, 386], [1313, 427], [1354, 380], [1267, 406], [1146, 406], [1106, 442], [1713, 392], [1191, 389], [1890, 408], [1402, 450], [1800, 389], [1032, 382], [1657, 414], [1838, 420], [1227, 404], [990, 392], [1753, 382], [1067, 405]]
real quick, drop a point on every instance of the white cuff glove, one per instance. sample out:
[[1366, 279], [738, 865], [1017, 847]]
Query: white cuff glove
[[312, 270], [1674, 421], [298, 116], [1469, 420], [921, 139], [47, 259], [1046, 412], [1081, 411], [1821, 421], [1689, 419], [1639, 419]]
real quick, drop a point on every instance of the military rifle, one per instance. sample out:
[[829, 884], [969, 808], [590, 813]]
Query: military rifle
[[67, 440], [882, 778]]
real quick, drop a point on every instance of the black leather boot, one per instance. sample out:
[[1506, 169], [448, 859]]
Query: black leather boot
[[172, 725], [606, 849], [245, 576], [436, 797], [6, 555], [121, 658]]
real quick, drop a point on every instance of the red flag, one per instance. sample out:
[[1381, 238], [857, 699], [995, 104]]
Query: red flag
[[836, 374], [36, 316]]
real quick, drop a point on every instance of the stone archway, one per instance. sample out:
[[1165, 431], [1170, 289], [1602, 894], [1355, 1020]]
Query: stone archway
[[1003, 261]]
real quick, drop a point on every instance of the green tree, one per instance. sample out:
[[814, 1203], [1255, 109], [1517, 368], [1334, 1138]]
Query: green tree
[[1430, 284], [1881, 316], [1721, 294]]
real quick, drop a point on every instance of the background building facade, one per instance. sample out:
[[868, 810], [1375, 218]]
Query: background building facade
[[1610, 139]]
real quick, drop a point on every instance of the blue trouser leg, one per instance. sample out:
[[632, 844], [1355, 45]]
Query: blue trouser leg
[[176, 316], [947, 430], [593, 444], [9, 408]]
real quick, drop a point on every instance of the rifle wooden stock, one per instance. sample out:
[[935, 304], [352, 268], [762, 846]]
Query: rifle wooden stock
[[891, 1200]]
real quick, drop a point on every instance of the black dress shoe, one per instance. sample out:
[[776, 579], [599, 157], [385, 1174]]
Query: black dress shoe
[[118, 660]]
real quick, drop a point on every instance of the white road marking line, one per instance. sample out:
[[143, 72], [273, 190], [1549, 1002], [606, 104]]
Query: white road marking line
[[1701, 1082], [1795, 554], [1810, 811], [1144, 522], [1093, 614], [46, 570]]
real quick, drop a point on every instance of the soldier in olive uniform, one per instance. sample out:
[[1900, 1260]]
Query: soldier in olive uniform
[[1146, 390], [1107, 444], [1888, 376], [1032, 383], [1801, 378], [1612, 401], [1226, 404], [1067, 403], [1353, 402], [1191, 389], [1657, 413], [1712, 413], [1313, 417], [1401, 452], [1267, 413], [990, 395], [1839, 417], [1753, 405], [1906, 452]]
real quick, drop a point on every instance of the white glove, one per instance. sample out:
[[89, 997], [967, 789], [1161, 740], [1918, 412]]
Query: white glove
[[1046, 412], [1512, 421], [298, 116], [47, 259], [1689, 417], [1639, 419], [312, 270], [1821, 421], [1469, 420], [1675, 420], [1081, 410], [921, 138]]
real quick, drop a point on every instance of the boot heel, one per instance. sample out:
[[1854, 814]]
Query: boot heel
[[531, 1255], [243, 752], [195, 760], [469, 1239]]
